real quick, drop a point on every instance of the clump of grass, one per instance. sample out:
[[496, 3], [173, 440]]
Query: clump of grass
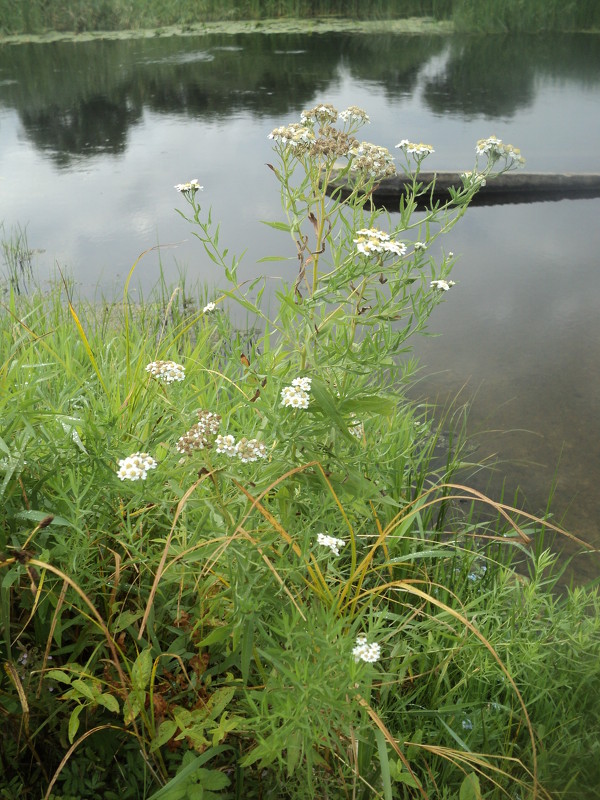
[[236, 565]]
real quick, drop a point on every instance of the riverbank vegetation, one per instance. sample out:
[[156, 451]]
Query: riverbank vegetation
[[533, 16], [237, 562]]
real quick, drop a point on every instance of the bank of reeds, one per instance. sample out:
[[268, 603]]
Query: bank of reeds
[[533, 16]]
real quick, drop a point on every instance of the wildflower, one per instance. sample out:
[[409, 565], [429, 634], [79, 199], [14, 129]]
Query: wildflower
[[331, 542], [190, 187], [296, 136], [366, 652], [250, 450], [356, 428], [166, 371], [419, 246], [225, 445], [208, 308], [442, 285], [199, 435], [297, 395], [323, 114], [135, 467], [354, 114], [419, 150], [375, 161], [494, 149], [471, 178], [372, 240]]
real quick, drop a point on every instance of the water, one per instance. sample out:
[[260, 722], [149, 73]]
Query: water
[[93, 137]]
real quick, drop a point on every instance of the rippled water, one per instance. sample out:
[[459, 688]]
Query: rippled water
[[93, 136]]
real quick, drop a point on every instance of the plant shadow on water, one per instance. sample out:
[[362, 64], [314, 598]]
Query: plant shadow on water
[[233, 566]]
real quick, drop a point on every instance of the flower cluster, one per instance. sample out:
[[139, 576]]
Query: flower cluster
[[442, 285], [419, 151], [366, 652], [208, 308], [296, 136], [298, 394], [135, 467], [331, 542], [199, 435], [191, 187], [493, 148], [372, 240], [354, 114], [167, 371], [324, 114], [374, 161], [356, 427], [246, 449], [471, 178]]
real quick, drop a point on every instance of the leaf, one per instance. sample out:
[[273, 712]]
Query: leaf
[[141, 671], [84, 688], [384, 764], [131, 708], [166, 731], [216, 636], [109, 701], [219, 700], [279, 226], [470, 788], [58, 675], [74, 722]]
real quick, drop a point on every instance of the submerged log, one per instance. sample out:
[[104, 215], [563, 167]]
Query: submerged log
[[511, 187]]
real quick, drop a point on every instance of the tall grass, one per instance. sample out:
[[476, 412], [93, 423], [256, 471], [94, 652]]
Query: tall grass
[[83, 15], [320, 610], [532, 16]]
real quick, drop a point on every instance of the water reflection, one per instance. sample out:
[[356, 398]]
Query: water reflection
[[100, 132]]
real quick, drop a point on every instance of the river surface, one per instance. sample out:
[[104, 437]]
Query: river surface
[[93, 137]]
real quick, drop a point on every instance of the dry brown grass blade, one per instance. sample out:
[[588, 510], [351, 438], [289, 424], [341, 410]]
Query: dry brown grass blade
[[59, 605]]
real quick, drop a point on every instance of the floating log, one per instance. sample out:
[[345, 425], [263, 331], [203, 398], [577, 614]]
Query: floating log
[[511, 187]]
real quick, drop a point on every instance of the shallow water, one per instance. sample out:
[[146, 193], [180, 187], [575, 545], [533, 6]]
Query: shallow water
[[93, 136]]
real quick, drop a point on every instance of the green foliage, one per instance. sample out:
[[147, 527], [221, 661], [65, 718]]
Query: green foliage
[[238, 562]]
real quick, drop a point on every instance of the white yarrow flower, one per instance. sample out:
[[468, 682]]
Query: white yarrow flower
[[135, 467], [442, 285], [166, 371], [191, 186], [208, 308], [297, 395], [370, 653], [331, 542], [372, 240]]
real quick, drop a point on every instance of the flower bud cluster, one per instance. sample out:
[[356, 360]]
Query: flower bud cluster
[[296, 136], [191, 187], [354, 114], [135, 467], [199, 435], [493, 148], [331, 542], [166, 371], [366, 652], [372, 160], [298, 394], [418, 150], [324, 114], [372, 240], [246, 450], [356, 427], [442, 285]]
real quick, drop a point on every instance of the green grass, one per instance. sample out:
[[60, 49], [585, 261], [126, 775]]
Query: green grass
[[186, 635], [532, 16]]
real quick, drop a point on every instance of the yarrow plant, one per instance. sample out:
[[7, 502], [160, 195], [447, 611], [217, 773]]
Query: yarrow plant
[[331, 542], [362, 651], [298, 394], [136, 467], [166, 371]]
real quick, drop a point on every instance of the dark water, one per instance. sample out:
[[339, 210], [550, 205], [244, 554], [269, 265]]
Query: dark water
[[94, 136]]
